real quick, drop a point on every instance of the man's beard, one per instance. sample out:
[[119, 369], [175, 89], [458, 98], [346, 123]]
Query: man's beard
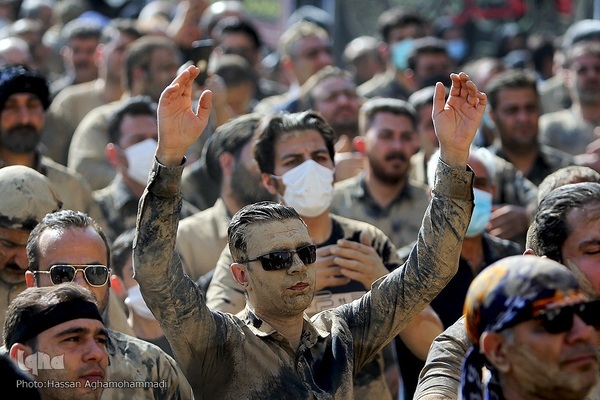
[[388, 178], [247, 187], [20, 139]]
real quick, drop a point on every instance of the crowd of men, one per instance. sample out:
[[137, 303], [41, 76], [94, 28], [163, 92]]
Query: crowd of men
[[416, 222]]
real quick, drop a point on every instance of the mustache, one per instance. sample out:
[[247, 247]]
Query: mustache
[[27, 128], [396, 155]]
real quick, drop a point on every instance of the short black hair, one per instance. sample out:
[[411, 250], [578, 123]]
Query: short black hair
[[133, 106]]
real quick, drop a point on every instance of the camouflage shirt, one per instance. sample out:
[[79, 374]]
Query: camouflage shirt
[[119, 207], [225, 357], [133, 360]]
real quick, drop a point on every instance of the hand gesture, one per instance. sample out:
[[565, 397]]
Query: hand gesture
[[328, 273], [359, 261], [178, 125], [457, 119]]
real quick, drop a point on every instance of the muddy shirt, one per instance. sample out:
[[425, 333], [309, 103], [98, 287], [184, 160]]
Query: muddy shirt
[[226, 295], [133, 360], [225, 357]]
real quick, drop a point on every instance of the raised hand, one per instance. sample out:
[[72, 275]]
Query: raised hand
[[178, 125], [457, 119]]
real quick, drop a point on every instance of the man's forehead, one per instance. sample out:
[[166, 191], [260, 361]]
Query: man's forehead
[[23, 96], [17, 236], [277, 235], [79, 325]]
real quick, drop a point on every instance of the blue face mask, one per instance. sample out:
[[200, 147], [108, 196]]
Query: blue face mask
[[400, 52], [457, 49], [481, 213]]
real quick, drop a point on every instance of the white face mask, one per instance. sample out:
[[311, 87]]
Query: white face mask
[[308, 188], [140, 157], [136, 302]]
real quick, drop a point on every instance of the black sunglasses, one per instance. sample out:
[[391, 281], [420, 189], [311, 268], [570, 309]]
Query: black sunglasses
[[95, 275], [279, 260], [560, 320]]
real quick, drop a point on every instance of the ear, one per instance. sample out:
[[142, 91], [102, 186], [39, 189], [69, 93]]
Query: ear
[[227, 163], [493, 346], [117, 285], [359, 144], [29, 279], [269, 183], [19, 352], [111, 154], [240, 274]]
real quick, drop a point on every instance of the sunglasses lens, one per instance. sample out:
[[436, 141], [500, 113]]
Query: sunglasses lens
[[590, 313], [61, 274], [96, 275], [308, 254], [558, 321], [277, 260]]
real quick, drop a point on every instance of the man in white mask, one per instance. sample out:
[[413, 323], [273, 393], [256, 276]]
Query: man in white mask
[[295, 156], [133, 140]]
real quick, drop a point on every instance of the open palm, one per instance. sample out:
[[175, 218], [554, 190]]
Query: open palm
[[457, 119], [178, 125]]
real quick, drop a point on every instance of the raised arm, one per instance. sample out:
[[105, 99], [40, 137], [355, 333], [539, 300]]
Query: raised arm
[[178, 125], [457, 119]]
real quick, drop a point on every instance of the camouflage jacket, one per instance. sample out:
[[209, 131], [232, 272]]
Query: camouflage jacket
[[139, 370], [225, 357]]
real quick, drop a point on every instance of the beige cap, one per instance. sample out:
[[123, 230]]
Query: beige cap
[[26, 196]]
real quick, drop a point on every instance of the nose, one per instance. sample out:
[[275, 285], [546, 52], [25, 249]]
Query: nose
[[20, 257], [23, 115], [80, 278], [581, 332], [95, 351], [297, 265]]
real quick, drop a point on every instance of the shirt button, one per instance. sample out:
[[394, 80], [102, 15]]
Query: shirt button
[[299, 365]]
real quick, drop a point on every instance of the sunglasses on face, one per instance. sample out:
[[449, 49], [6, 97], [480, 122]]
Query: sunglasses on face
[[560, 320], [95, 275], [279, 260]]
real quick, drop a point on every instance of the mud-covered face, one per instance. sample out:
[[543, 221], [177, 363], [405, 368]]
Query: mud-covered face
[[285, 292]]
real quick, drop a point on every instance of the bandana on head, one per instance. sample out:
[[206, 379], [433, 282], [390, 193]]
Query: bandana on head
[[510, 291]]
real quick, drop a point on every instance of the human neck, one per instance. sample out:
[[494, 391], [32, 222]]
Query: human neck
[[383, 192], [289, 327], [319, 227], [472, 252], [9, 158], [144, 328], [231, 202]]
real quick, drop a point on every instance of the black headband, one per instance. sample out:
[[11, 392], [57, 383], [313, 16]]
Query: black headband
[[52, 316]]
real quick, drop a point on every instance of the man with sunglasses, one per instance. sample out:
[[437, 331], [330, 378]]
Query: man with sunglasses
[[271, 349], [533, 328], [566, 229], [68, 246]]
